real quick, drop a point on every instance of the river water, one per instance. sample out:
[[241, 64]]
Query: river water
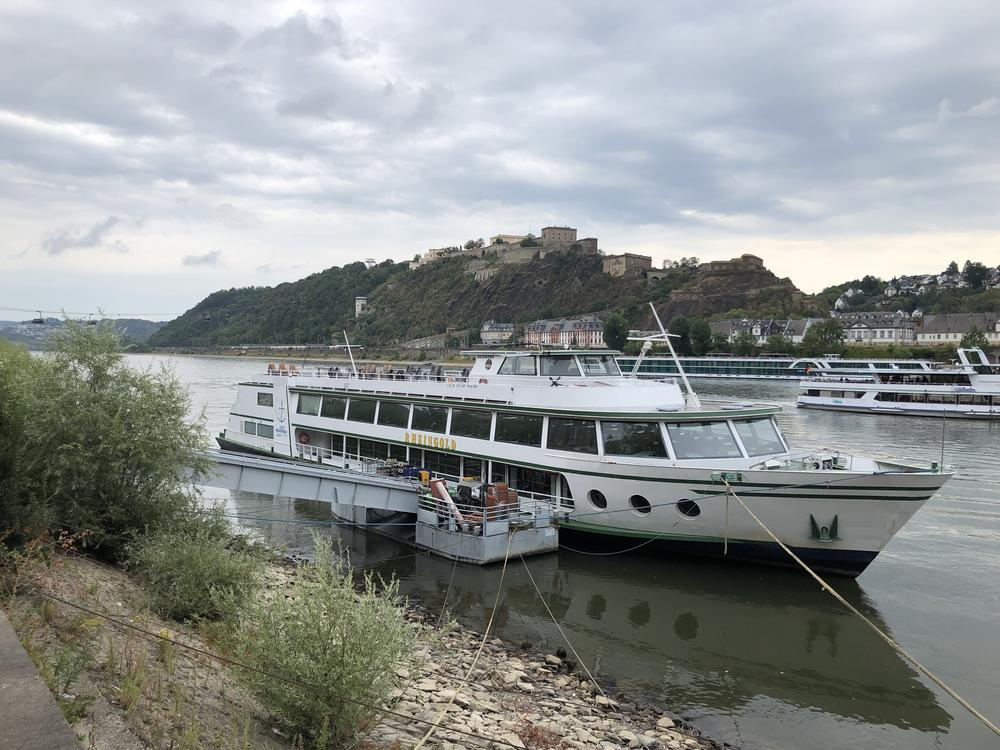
[[757, 657]]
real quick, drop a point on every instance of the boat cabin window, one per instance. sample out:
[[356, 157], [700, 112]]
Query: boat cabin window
[[518, 366], [265, 399], [599, 364], [249, 428], [308, 405], [521, 429], [633, 439], [473, 423], [702, 440], [577, 435], [265, 431], [393, 414], [557, 366], [333, 407], [430, 418], [442, 463], [361, 410], [760, 436]]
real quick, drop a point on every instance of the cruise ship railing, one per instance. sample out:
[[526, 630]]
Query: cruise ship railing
[[516, 508], [338, 373]]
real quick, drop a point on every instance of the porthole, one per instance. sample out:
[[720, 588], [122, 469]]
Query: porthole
[[488, 364], [688, 508], [597, 499], [639, 504]]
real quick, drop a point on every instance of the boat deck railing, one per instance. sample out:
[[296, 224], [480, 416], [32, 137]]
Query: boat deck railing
[[437, 375]]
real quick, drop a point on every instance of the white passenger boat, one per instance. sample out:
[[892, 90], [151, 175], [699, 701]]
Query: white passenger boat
[[636, 463], [969, 389]]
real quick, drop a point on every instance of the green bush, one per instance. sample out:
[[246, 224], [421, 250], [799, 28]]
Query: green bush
[[195, 572], [90, 443], [345, 645]]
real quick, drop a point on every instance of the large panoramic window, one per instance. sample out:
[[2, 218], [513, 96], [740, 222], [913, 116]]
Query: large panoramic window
[[522, 429], [393, 414], [333, 407], [430, 418], [361, 410], [558, 366], [702, 440], [308, 405], [633, 439], [265, 399], [599, 364], [759, 436], [442, 463], [265, 431], [518, 366], [577, 435], [474, 423]]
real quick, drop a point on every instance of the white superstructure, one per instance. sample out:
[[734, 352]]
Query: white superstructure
[[969, 389], [633, 460]]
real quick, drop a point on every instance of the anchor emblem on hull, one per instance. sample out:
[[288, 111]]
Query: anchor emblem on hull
[[827, 533]]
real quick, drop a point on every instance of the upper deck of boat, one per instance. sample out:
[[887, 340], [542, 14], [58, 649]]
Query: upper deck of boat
[[577, 381]]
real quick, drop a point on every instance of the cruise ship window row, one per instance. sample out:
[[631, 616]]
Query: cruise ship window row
[[721, 438]]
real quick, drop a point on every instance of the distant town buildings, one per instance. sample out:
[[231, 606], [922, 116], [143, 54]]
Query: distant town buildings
[[558, 234], [877, 328], [762, 329], [360, 305], [937, 330], [493, 333], [627, 264], [587, 331]]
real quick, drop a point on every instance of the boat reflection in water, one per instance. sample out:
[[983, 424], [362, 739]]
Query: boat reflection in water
[[750, 655]]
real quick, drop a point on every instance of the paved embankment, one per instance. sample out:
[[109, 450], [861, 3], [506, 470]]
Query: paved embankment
[[29, 716]]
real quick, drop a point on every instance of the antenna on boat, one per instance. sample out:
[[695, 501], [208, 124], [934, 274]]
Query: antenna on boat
[[692, 397], [350, 353]]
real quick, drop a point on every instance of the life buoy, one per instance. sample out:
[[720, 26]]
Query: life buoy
[[304, 438]]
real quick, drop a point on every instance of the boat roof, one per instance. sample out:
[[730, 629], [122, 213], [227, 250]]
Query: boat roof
[[535, 352]]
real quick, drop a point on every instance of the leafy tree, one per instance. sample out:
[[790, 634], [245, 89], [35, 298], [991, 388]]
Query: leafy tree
[[474, 244], [975, 274], [107, 447], [777, 343], [974, 339], [681, 327], [701, 337], [720, 342], [952, 269], [615, 331], [529, 241], [825, 337], [744, 344]]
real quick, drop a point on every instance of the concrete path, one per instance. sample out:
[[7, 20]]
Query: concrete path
[[29, 716]]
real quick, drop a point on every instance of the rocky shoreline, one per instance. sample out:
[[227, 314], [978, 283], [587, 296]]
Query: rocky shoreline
[[518, 699]]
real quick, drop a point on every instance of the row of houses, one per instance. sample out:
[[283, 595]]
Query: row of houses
[[872, 328], [585, 331]]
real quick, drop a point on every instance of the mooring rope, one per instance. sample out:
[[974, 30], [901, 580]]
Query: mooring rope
[[885, 637], [569, 643], [482, 645]]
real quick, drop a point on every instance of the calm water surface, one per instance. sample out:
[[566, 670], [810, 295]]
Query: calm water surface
[[757, 657]]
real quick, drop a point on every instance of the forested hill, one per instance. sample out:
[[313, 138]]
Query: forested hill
[[406, 304]]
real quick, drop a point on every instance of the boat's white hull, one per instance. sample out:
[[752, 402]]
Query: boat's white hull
[[871, 406]]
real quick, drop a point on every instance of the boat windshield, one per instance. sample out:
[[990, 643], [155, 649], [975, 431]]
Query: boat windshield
[[559, 365], [518, 366], [599, 364], [760, 436]]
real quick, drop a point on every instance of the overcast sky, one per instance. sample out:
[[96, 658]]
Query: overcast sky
[[154, 152]]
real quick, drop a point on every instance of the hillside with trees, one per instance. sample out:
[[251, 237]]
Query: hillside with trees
[[405, 304]]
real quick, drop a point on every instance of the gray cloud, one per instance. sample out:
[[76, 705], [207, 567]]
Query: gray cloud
[[729, 119], [69, 238], [212, 258]]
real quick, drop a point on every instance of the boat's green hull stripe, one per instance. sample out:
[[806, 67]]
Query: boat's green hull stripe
[[841, 491]]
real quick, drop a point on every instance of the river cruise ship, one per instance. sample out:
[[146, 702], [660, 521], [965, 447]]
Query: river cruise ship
[[969, 389], [754, 368], [636, 463]]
